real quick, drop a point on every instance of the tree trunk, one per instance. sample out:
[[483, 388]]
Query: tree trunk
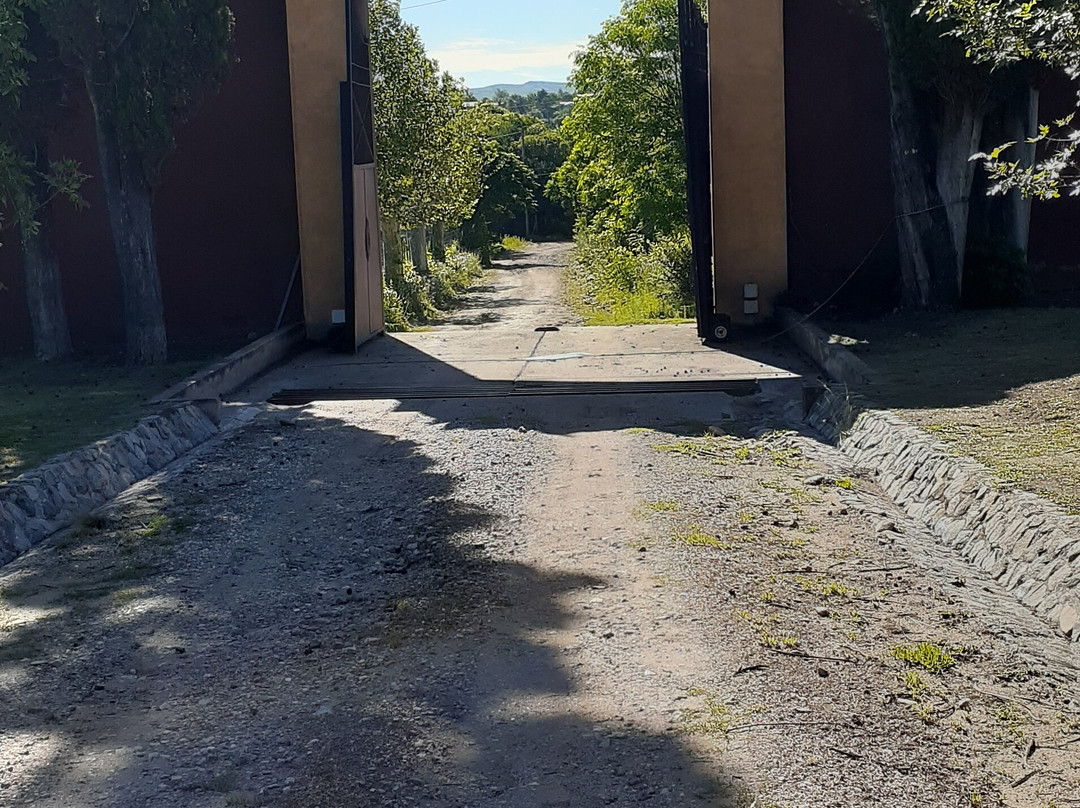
[[418, 249], [928, 259], [959, 138], [128, 197], [1021, 121], [438, 241], [395, 261], [41, 270]]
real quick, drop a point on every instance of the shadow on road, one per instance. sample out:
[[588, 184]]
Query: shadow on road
[[309, 613]]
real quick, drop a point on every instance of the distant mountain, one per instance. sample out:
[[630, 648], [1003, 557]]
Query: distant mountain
[[518, 89]]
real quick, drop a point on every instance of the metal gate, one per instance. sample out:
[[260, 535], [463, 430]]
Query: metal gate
[[360, 195], [694, 48]]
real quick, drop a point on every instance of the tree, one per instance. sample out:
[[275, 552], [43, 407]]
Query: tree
[[508, 185], [626, 172], [146, 65], [429, 156], [940, 102], [1005, 33], [32, 86]]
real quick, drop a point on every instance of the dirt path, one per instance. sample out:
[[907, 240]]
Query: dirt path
[[524, 290], [650, 600]]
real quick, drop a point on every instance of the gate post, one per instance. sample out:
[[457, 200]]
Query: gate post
[[749, 155]]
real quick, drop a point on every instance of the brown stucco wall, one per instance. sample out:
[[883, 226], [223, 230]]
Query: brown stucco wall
[[224, 212], [317, 59], [746, 54]]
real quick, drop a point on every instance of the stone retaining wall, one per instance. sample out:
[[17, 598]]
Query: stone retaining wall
[[1027, 543], [51, 496]]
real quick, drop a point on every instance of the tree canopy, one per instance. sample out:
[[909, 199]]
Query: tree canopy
[[626, 171], [429, 155]]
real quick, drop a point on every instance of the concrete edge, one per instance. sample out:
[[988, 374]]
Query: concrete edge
[[238, 368], [1030, 545], [835, 361], [36, 504]]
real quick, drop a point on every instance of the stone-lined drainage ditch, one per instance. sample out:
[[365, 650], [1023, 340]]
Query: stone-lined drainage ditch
[[1028, 544], [53, 495]]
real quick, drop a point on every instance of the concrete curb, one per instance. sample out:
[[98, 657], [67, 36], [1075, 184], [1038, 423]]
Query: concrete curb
[[834, 360], [40, 502], [238, 368], [1027, 543]]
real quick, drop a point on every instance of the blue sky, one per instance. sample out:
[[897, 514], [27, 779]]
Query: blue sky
[[506, 41]]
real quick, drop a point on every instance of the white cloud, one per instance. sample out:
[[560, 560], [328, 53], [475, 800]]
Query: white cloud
[[487, 55]]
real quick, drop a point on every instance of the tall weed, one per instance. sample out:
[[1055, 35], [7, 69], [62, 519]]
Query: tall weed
[[418, 299], [612, 283]]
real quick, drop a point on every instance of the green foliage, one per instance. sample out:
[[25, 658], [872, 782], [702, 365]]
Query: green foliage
[[414, 299], [625, 176], [514, 243], [613, 284], [508, 185], [31, 89], [995, 275], [551, 108], [430, 151], [926, 655], [626, 172], [147, 64]]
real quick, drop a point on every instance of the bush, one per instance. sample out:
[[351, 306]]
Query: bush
[[418, 299], [614, 284]]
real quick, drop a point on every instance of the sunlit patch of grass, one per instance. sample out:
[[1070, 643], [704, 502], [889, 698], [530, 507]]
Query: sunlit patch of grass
[[154, 527], [514, 244], [925, 655], [845, 483], [661, 506], [694, 536], [1012, 721], [717, 717], [639, 430], [827, 588]]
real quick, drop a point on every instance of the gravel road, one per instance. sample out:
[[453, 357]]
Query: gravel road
[[657, 600], [524, 290]]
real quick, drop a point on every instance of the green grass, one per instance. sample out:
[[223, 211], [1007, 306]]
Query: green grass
[[925, 655], [610, 283], [514, 244], [47, 409], [1001, 386], [694, 536]]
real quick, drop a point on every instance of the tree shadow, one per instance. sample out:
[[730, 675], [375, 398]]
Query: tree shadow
[[966, 358], [305, 613]]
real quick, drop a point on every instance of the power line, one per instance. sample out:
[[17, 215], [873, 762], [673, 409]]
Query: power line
[[421, 5]]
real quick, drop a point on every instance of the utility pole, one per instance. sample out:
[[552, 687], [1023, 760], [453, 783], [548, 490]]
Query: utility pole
[[526, 201]]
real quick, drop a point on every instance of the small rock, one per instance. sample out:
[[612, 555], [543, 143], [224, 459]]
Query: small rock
[[822, 611]]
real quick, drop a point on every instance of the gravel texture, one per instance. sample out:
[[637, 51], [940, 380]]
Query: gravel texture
[[653, 601]]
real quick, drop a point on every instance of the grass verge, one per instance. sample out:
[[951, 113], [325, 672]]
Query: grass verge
[[1001, 386], [610, 284], [50, 408]]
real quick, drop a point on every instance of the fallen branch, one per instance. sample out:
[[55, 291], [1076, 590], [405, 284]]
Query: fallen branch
[[1024, 779], [805, 655]]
